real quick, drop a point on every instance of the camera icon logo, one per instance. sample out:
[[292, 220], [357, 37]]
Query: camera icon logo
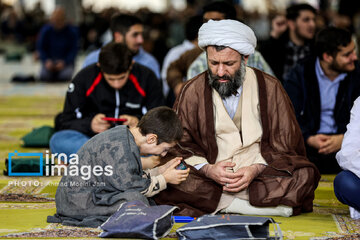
[[16, 160]]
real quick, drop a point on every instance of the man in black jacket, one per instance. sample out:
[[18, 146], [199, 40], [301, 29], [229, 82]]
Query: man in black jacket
[[115, 87], [284, 51], [323, 90]]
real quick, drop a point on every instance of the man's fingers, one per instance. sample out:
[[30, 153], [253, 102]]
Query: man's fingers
[[240, 182], [229, 181], [325, 144], [326, 150], [237, 189], [233, 175], [323, 137], [226, 164], [328, 147]]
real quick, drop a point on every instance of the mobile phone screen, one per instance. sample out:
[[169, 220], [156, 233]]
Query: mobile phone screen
[[181, 166]]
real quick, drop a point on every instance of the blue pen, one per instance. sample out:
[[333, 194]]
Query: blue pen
[[183, 219]]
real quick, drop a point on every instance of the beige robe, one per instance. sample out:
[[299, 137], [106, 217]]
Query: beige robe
[[243, 149]]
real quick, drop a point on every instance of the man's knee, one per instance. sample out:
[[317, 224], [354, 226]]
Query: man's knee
[[346, 183]]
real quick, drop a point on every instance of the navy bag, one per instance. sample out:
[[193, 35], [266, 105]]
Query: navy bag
[[226, 227], [135, 219]]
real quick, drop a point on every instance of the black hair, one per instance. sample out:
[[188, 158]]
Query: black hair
[[115, 58], [192, 27], [163, 122], [329, 39], [123, 22], [293, 12], [223, 7]]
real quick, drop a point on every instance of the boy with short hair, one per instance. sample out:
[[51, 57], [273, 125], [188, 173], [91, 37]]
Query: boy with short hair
[[116, 170], [115, 87]]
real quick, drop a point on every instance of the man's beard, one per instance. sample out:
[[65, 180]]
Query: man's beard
[[135, 51], [338, 68], [226, 89]]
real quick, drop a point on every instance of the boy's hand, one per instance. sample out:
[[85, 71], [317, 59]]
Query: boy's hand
[[131, 121], [174, 176], [99, 125], [163, 168]]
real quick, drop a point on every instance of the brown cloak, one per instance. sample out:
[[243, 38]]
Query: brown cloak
[[289, 179]]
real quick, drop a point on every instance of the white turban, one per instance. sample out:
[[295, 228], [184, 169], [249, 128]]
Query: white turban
[[229, 33]]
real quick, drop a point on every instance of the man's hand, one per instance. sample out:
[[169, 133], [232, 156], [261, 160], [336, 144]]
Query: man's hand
[[232, 182], [150, 162], [174, 176], [99, 125], [244, 176], [131, 121], [317, 141], [218, 172], [167, 165], [326, 143], [332, 144]]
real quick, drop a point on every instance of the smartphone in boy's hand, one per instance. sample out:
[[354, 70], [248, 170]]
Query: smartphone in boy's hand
[[175, 171], [181, 166]]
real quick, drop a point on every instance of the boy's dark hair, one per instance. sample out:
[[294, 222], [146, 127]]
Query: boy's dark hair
[[122, 23], [223, 7], [329, 39], [115, 58], [293, 12], [163, 122], [192, 27]]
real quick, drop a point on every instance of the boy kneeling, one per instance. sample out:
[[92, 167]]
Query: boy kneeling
[[116, 170]]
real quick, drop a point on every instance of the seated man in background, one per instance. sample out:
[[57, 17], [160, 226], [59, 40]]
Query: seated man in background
[[114, 87], [128, 29], [322, 90], [347, 182], [191, 31], [296, 43], [241, 139], [57, 46], [89, 199]]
